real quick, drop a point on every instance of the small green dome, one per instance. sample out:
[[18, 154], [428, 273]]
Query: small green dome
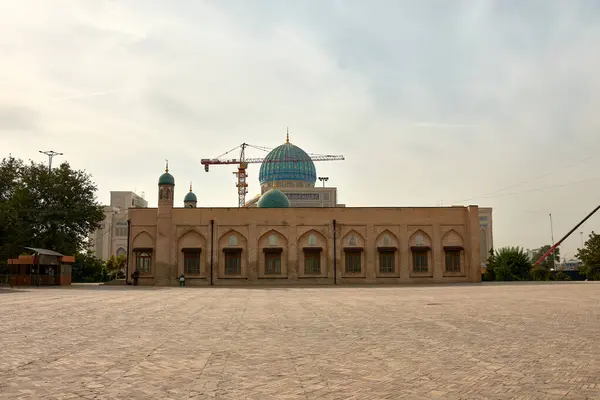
[[273, 199], [190, 196], [166, 179]]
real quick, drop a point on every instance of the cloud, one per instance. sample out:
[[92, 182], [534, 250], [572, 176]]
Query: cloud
[[426, 101], [17, 119]]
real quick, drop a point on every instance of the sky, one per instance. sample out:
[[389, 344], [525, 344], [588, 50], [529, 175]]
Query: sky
[[432, 103]]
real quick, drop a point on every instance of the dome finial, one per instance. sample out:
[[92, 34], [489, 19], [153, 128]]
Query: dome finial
[[287, 135], [167, 165], [190, 187]]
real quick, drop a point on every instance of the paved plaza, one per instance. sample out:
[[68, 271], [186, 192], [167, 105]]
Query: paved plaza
[[472, 341]]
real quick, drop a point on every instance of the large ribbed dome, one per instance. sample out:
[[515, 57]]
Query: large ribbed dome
[[287, 163]]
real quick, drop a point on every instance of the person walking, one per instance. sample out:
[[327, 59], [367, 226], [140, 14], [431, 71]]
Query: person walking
[[181, 280], [136, 276]]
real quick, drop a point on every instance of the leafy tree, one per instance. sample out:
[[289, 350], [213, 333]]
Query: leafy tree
[[544, 270], [87, 268], [511, 264], [54, 209], [590, 257], [490, 272], [116, 266]]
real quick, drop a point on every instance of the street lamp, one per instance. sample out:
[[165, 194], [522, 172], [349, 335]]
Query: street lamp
[[323, 179], [552, 244], [51, 154], [581, 234]]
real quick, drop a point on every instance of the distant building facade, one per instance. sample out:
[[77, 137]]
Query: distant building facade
[[111, 238], [486, 237]]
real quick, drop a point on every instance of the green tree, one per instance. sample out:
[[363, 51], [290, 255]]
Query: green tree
[[87, 268], [589, 255], [54, 209], [115, 266], [511, 264], [544, 270], [490, 265]]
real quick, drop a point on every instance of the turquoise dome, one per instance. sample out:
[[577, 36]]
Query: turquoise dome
[[190, 197], [299, 167], [273, 199], [166, 179]]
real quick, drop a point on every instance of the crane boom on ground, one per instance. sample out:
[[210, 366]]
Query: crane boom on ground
[[242, 163], [554, 246]]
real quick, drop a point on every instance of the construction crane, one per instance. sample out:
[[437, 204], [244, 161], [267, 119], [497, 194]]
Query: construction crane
[[242, 163]]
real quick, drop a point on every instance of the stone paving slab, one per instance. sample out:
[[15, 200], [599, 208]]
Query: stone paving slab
[[479, 341]]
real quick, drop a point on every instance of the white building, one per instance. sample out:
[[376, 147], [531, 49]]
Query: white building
[[111, 238], [486, 237]]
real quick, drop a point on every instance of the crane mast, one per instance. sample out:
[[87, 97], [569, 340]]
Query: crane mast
[[241, 174]]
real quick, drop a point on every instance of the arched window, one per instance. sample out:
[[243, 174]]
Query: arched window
[[120, 252], [312, 240], [143, 261]]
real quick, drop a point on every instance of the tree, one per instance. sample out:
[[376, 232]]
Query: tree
[[87, 268], [590, 257], [490, 272], [544, 270], [54, 209], [116, 266], [511, 264]]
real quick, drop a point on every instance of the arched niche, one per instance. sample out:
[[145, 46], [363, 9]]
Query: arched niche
[[143, 240], [387, 262], [142, 253], [419, 238], [192, 255], [121, 252], [353, 257], [353, 239], [421, 256], [312, 254], [273, 255], [452, 238], [454, 253], [232, 255]]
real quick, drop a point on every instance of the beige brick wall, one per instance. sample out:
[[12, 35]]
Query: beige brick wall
[[167, 230]]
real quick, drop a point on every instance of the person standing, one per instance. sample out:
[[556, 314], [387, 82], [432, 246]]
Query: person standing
[[181, 280], [136, 276]]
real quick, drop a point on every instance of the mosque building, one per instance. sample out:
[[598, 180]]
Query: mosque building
[[296, 234]]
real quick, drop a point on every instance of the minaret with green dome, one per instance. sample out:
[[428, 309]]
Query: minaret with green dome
[[164, 260], [190, 200], [166, 186]]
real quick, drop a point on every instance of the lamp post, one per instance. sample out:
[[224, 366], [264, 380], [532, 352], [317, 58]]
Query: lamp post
[[581, 234], [323, 179], [51, 154], [552, 244]]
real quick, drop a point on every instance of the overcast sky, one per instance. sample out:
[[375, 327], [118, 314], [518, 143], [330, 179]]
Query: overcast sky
[[431, 102]]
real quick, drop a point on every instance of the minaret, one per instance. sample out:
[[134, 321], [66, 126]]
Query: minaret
[[166, 185], [165, 268], [190, 200]]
